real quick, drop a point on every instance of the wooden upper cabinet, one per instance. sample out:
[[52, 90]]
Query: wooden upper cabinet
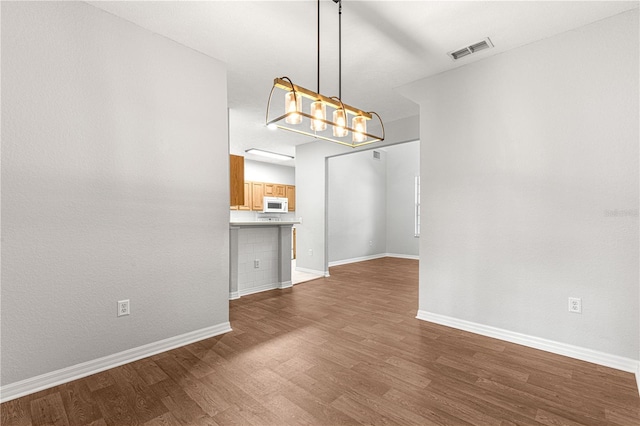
[[254, 192], [291, 196], [236, 180], [274, 190], [247, 197], [257, 194]]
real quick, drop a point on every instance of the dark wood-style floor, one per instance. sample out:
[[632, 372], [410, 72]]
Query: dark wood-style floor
[[341, 350]]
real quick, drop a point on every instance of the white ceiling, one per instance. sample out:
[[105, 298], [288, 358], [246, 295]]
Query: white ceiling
[[385, 44]]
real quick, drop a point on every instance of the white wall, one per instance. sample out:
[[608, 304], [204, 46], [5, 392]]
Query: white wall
[[260, 171], [114, 186], [311, 186], [357, 206], [525, 159], [403, 165]]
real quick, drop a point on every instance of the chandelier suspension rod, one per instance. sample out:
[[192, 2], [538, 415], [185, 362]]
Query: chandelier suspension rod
[[339, 47], [318, 74], [340, 129]]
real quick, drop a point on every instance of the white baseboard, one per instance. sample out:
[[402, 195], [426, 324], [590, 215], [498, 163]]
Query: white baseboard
[[261, 288], [285, 284], [310, 271], [233, 295], [258, 289], [584, 354], [78, 371], [356, 259], [373, 256], [404, 256], [638, 377]]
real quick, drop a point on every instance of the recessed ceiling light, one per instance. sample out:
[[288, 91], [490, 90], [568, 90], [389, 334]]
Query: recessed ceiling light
[[268, 154]]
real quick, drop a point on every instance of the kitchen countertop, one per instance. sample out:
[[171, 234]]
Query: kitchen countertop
[[265, 223]]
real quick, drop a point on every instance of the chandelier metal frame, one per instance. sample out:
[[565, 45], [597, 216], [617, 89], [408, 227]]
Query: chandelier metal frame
[[292, 116]]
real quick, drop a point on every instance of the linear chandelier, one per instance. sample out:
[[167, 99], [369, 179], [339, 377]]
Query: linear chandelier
[[347, 126]]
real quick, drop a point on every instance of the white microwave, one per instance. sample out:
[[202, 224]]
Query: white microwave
[[275, 205]]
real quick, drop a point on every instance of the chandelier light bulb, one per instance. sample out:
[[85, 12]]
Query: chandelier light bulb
[[319, 113], [293, 104], [340, 123], [359, 125]]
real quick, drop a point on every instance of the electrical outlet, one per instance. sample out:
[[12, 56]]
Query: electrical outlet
[[123, 307], [575, 305], [370, 243], [256, 263], [310, 252]]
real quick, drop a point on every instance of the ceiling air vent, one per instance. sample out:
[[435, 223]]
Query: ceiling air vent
[[475, 47], [376, 155]]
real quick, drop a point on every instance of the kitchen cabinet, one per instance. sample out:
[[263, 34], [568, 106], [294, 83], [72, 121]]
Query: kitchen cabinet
[[247, 197], [253, 193], [274, 190], [257, 194], [290, 191], [236, 180]]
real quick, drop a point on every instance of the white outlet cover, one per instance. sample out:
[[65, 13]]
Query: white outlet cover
[[123, 307], [575, 305]]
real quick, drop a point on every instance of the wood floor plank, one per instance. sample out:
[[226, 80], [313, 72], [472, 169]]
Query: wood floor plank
[[342, 350], [482, 369], [149, 371], [547, 401], [99, 381], [49, 410], [430, 413], [166, 419], [16, 412], [487, 402], [177, 401], [551, 419], [114, 406], [318, 407], [248, 407], [79, 404], [207, 399], [131, 385], [288, 411]]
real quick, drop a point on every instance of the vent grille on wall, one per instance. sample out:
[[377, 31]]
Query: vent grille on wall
[[473, 48], [376, 155]]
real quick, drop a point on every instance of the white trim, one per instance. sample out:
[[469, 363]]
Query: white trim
[[404, 256], [584, 354], [373, 256], [285, 284], [233, 295], [264, 287], [310, 271], [258, 289], [638, 377], [78, 371], [356, 259]]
